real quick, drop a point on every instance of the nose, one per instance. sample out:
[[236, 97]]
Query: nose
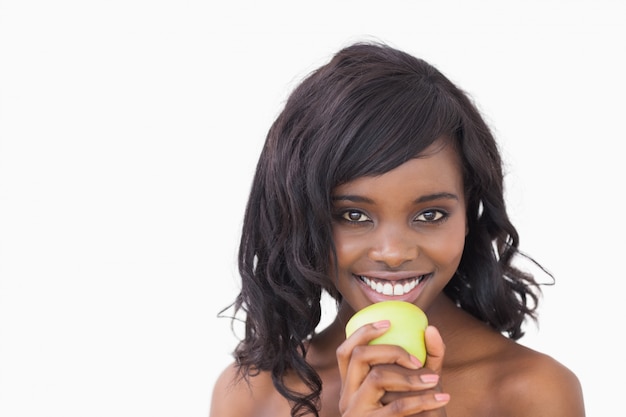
[[394, 246]]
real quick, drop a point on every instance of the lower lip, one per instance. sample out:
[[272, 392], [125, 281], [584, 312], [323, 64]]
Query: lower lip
[[410, 296]]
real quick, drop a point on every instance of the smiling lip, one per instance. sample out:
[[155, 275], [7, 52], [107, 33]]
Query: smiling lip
[[380, 287]]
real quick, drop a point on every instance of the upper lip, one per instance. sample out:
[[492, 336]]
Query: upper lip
[[391, 275]]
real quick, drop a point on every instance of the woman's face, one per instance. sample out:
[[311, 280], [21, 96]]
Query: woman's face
[[400, 235]]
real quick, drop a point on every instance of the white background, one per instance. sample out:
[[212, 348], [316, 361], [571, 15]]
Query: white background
[[129, 131]]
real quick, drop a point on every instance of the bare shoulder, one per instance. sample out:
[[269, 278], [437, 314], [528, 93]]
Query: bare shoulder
[[532, 384], [235, 396]]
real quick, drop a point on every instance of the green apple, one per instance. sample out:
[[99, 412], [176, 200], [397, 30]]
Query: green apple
[[408, 323]]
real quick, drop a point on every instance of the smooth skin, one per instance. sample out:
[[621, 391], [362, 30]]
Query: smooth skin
[[405, 223]]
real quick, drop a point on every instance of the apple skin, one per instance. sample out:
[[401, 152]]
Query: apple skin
[[408, 323]]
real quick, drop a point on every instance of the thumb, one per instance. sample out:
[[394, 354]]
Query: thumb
[[435, 349]]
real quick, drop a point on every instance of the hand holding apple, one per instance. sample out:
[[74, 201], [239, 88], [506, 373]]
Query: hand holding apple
[[408, 323]]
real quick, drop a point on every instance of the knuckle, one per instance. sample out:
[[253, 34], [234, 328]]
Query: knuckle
[[358, 352], [376, 375], [399, 406], [413, 379], [342, 352], [343, 406]]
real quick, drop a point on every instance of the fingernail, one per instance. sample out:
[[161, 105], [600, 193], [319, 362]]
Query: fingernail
[[442, 397], [383, 324], [429, 378], [416, 361]]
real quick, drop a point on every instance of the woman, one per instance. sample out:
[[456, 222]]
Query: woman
[[380, 180]]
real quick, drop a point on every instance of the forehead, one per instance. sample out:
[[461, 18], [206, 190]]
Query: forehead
[[436, 169]]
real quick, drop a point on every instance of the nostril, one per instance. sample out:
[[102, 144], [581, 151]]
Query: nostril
[[394, 256]]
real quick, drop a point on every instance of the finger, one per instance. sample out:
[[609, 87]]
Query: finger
[[417, 405], [398, 379], [384, 383], [435, 349], [386, 353], [360, 337], [365, 358]]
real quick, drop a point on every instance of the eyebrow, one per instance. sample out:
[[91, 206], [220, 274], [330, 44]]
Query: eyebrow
[[419, 200]]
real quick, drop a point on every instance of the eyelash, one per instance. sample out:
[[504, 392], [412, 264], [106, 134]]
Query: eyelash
[[440, 214], [344, 216]]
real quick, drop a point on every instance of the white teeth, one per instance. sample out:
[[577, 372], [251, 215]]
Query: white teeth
[[387, 288], [398, 289]]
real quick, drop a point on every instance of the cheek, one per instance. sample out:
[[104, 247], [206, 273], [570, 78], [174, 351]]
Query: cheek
[[348, 249], [447, 249]]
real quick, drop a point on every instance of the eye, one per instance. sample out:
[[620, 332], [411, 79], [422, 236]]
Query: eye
[[354, 216], [431, 216]]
